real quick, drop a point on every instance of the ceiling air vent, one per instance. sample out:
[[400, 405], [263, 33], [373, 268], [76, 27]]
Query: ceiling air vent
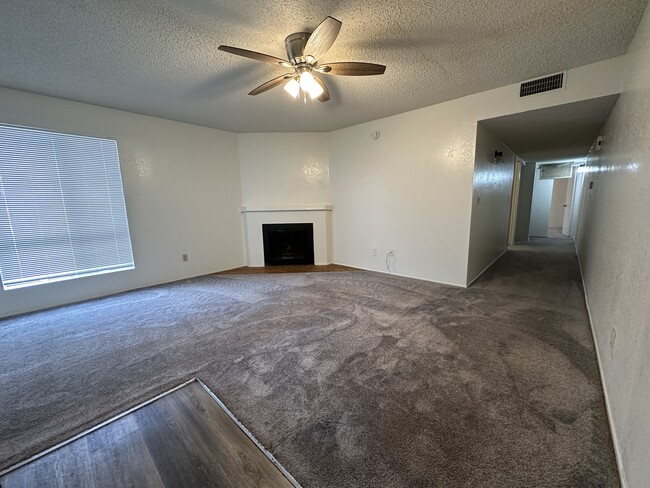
[[553, 171], [541, 85]]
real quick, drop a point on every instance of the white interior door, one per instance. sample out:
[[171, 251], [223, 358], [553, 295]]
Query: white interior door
[[558, 203], [568, 205]]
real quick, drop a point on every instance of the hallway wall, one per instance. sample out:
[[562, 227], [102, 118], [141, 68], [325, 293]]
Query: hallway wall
[[541, 205], [491, 199], [613, 244], [527, 179]]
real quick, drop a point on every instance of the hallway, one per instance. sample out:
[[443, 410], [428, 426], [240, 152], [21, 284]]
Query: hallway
[[539, 287]]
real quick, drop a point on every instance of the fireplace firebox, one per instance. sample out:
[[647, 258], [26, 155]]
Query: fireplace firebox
[[288, 244]]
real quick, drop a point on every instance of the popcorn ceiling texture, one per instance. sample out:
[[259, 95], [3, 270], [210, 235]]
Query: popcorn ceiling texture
[[160, 58]]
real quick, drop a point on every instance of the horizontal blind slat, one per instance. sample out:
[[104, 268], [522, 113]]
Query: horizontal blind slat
[[62, 212]]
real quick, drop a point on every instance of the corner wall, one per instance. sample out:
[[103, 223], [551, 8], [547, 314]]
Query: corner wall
[[182, 191], [613, 244], [284, 168], [283, 175]]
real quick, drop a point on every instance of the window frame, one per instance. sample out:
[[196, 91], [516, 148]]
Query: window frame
[[81, 272]]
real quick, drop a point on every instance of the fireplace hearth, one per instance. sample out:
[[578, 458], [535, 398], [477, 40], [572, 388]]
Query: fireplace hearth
[[288, 244]]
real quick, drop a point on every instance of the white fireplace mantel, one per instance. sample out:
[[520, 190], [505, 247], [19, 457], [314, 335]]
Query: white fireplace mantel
[[290, 208], [320, 215]]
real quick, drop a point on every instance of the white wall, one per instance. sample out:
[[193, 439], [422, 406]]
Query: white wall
[[491, 203], [576, 204], [526, 182], [182, 192], [558, 200], [541, 205], [614, 248], [568, 199], [284, 168], [411, 189]]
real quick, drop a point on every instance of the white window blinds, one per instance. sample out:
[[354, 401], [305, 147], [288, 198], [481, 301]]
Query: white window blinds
[[62, 211]]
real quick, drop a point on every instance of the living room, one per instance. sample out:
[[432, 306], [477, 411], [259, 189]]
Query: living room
[[392, 179]]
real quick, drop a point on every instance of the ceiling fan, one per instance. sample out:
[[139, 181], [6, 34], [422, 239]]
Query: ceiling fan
[[304, 51]]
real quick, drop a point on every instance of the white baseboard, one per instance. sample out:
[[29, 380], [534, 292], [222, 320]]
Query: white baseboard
[[105, 294], [400, 275], [469, 283], [612, 427]]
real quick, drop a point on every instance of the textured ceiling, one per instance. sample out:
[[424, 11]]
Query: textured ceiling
[[160, 57], [555, 133]]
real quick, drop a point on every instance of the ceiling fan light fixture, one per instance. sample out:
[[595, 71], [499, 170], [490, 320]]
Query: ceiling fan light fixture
[[310, 85], [304, 50], [292, 88]]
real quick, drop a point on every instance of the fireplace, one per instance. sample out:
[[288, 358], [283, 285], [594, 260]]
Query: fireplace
[[318, 216], [288, 244]]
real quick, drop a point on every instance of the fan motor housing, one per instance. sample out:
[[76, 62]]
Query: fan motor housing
[[295, 46]]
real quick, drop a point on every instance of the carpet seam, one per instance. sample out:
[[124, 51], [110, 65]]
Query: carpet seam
[[250, 435], [92, 429]]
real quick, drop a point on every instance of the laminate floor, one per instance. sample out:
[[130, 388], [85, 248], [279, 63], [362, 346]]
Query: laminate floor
[[182, 439]]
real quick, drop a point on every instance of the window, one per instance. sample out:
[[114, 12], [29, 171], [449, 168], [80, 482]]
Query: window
[[62, 211]]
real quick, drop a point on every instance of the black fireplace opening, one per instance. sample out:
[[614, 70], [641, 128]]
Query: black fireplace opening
[[288, 244]]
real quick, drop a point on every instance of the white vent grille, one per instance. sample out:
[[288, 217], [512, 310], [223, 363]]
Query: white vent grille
[[541, 85], [553, 171]]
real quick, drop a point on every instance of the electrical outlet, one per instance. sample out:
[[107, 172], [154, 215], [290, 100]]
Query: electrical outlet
[[391, 252], [185, 257], [373, 251]]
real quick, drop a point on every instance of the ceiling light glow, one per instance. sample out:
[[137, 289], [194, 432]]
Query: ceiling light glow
[[309, 84], [292, 88]]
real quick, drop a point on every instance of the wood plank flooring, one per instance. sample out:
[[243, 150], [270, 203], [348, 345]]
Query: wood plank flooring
[[295, 268], [182, 439]]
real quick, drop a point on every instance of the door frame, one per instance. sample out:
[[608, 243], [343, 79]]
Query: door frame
[[514, 202]]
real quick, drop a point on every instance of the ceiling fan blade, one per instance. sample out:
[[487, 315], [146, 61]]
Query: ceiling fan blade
[[280, 80], [322, 38], [325, 96], [352, 69], [255, 55]]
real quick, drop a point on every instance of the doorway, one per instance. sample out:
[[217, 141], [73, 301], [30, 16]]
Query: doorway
[[552, 200]]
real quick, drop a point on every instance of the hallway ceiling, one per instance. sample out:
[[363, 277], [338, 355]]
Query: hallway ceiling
[[556, 133], [160, 57]]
